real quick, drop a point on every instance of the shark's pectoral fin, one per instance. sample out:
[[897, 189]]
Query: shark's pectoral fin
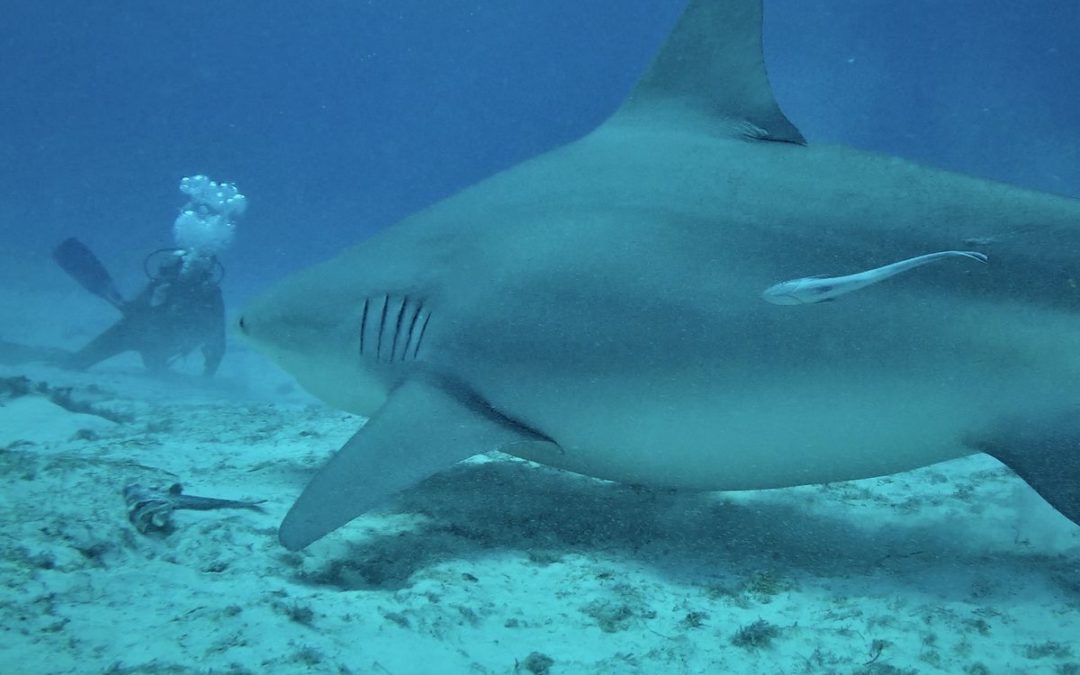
[[423, 428], [1045, 453]]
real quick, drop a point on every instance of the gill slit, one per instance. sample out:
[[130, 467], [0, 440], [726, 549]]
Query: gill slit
[[397, 326], [382, 327], [412, 327], [363, 324], [420, 337]]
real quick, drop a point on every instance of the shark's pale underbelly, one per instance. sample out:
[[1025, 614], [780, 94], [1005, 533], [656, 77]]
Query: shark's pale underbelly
[[759, 425], [764, 437], [765, 396]]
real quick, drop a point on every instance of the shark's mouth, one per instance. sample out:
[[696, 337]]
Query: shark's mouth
[[392, 328]]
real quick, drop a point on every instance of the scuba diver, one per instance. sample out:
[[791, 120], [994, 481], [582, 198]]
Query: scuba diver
[[179, 310]]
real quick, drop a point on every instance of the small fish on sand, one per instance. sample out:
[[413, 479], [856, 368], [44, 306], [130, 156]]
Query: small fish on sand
[[150, 509]]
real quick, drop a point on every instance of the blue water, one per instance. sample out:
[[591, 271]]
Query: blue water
[[337, 118]]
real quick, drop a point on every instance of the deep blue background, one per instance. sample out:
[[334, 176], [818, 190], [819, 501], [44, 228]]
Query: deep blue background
[[338, 117]]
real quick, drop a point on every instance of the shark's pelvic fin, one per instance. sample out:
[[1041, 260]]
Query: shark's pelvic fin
[[712, 66], [423, 428], [1045, 452]]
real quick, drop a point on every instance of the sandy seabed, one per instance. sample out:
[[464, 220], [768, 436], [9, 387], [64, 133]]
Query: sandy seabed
[[495, 566]]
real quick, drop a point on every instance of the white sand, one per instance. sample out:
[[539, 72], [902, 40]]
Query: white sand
[[955, 568]]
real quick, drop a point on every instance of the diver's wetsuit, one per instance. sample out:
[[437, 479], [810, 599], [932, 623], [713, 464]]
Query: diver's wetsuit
[[173, 315]]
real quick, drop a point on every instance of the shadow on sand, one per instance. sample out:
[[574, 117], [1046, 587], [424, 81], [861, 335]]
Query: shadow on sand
[[482, 509]]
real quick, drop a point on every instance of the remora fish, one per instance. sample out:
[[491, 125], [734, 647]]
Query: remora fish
[[809, 290], [598, 309]]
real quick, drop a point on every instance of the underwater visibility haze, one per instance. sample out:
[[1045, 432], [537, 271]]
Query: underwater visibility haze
[[598, 238]]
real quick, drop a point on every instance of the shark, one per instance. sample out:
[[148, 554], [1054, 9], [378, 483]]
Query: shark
[[598, 309]]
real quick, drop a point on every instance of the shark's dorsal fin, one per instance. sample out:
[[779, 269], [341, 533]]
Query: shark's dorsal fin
[[711, 66]]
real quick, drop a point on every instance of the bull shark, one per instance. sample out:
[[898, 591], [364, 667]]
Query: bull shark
[[598, 309]]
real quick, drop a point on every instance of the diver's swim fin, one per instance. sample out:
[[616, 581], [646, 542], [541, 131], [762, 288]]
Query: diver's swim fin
[[78, 261]]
